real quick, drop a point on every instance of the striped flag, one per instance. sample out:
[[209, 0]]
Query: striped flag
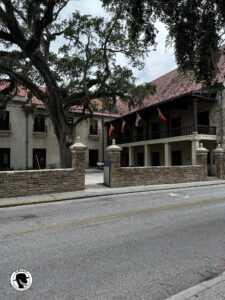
[[111, 130], [138, 118], [123, 126], [161, 115]]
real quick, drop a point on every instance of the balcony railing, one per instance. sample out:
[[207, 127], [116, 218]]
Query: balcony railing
[[182, 131]]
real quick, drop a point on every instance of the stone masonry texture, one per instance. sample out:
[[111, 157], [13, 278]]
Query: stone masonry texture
[[25, 183], [134, 176]]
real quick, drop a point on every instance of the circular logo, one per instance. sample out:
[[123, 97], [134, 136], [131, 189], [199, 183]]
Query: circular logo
[[21, 280]]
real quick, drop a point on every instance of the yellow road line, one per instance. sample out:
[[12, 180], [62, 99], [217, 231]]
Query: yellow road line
[[134, 213]]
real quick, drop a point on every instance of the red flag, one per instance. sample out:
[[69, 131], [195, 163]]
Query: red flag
[[111, 130], [161, 115]]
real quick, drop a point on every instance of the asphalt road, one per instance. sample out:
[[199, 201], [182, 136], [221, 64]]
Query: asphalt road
[[147, 245]]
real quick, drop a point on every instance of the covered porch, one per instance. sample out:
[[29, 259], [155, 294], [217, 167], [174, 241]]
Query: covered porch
[[167, 152]]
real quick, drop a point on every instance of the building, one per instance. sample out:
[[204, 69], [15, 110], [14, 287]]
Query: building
[[27, 140], [172, 123]]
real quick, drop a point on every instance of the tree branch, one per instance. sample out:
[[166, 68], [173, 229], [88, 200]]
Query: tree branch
[[40, 25], [6, 36], [12, 24], [13, 54], [24, 81]]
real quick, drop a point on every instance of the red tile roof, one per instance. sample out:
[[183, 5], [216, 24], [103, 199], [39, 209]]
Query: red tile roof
[[168, 86], [22, 92], [176, 83]]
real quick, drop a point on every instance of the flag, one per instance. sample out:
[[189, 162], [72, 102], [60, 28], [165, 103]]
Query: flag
[[138, 118], [111, 130], [123, 126], [161, 115]]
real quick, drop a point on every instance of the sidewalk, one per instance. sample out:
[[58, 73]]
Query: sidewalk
[[98, 190], [208, 290]]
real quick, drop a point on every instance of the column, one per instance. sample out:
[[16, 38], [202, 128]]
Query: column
[[147, 155], [78, 161], [131, 156], [218, 158], [167, 154], [194, 147], [201, 159], [112, 176]]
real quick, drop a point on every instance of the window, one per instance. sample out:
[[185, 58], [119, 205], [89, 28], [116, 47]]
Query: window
[[4, 158], [39, 123], [155, 159], [39, 158], [4, 120], [93, 129]]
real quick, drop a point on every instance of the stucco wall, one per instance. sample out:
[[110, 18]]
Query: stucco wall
[[17, 141]]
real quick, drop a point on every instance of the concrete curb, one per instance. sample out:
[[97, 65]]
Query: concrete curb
[[199, 288], [91, 193]]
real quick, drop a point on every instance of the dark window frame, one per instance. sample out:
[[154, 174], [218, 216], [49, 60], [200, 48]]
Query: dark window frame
[[93, 127], [4, 120], [39, 123], [5, 165]]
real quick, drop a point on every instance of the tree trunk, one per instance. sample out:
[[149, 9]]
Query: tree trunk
[[62, 130], [54, 106], [65, 154]]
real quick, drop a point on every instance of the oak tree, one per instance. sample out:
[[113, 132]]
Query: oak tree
[[82, 68], [195, 29]]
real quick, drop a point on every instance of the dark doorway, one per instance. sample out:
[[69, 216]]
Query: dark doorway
[[155, 159], [4, 159], [203, 118], [39, 158], [176, 158], [93, 158], [125, 157], [140, 159]]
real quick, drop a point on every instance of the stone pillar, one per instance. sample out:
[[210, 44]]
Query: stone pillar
[[131, 156], [147, 155], [218, 158], [194, 147], [167, 154], [201, 158], [78, 160], [113, 156]]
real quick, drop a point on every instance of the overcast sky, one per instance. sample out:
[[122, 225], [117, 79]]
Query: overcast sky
[[158, 63]]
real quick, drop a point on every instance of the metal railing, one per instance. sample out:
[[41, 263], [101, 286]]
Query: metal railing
[[172, 132]]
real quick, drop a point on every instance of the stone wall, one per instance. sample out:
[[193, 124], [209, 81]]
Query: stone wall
[[134, 176], [26, 183]]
